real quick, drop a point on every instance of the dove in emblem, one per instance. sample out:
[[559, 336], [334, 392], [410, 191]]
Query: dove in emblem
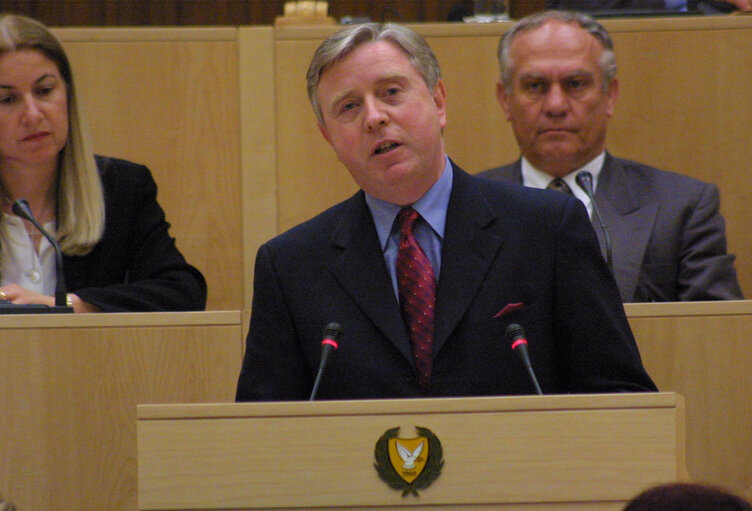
[[408, 457]]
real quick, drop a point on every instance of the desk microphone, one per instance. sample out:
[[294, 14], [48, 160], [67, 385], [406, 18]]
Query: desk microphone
[[22, 209], [332, 334], [519, 346], [585, 181]]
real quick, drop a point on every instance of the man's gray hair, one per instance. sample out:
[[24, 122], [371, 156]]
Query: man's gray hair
[[341, 43], [607, 60]]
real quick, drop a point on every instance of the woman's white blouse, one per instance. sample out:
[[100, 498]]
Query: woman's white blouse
[[19, 262]]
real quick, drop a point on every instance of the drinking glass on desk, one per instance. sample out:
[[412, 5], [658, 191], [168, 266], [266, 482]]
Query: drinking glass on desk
[[488, 11]]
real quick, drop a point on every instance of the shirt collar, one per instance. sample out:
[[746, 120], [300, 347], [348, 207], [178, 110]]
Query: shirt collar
[[432, 207], [538, 179]]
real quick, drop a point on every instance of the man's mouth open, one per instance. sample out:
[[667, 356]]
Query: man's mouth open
[[386, 147]]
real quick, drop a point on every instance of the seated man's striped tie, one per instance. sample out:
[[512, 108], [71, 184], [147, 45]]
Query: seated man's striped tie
[[560, 185]]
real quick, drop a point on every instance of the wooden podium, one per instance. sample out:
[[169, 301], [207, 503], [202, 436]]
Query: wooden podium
[[529, 452]]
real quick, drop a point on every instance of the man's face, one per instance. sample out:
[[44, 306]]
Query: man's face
[[556, 102], [383, 122]]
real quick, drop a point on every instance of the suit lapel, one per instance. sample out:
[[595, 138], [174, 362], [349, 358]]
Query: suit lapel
[[361, 271], [468, 251], [511, 173], [629, 221]]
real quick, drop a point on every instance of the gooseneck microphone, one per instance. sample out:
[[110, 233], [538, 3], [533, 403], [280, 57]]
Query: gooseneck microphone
[[585, 181], [22, 209], [329, 342], [519, 346]]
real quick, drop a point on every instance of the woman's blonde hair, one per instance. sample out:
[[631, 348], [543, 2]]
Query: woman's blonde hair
[[80, 200]]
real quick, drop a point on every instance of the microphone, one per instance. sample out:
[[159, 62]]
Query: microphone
[[519, 345], [585, 181], [22, 209], [332, 334]]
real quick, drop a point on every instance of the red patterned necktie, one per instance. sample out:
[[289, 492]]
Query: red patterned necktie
[[417, 293]]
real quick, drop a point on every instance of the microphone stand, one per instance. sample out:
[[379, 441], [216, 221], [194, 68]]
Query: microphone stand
[[22, 209], [585, 181]]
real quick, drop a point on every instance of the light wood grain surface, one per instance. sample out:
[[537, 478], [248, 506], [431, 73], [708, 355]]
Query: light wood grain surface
[[496, 451], [703, 351], [69, 391], [71, 384]]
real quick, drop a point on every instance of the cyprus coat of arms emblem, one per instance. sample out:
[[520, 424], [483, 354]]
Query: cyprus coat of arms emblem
[[408, 464]]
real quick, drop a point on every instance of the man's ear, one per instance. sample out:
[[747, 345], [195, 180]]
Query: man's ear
[[439, 99], [612, 92], [324, 132], [503, 98]]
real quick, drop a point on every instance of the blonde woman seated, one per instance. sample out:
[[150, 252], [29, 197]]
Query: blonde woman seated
[[117, 252]]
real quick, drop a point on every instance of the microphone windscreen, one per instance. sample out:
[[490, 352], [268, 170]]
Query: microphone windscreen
[[333, 332]]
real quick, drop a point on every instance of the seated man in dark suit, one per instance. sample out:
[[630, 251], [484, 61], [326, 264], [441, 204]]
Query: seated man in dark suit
[[558, 87], [427, 266]]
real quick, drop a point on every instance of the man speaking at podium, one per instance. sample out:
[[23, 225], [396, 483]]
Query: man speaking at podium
[[426, 266]]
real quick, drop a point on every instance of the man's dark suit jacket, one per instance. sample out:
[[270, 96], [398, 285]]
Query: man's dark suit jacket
[[668, 236], [529, 253], [136, 266]]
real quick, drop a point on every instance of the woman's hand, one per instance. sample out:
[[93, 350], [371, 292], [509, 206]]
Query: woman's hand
[[20, 295], [742, 5]]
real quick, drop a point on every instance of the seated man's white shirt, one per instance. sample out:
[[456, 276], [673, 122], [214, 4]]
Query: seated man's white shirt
[[535, 178]]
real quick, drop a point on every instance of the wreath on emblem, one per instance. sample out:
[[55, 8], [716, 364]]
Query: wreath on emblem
[[431, 471]]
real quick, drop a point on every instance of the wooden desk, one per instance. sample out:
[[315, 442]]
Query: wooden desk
[[69, 389], [703, 351], [71, 384]]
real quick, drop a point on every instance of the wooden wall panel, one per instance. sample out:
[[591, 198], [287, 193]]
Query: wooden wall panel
[[218, 12], [168, 98], [258, 147], [77, 13]]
